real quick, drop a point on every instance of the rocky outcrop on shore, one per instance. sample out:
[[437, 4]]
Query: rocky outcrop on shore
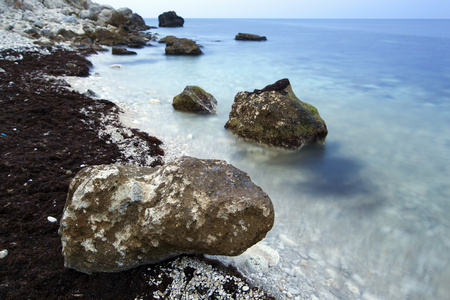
[[170, 19], [249, 37], [274, 116], [196, 100], [81, 22], [180, 46], [118, 217]]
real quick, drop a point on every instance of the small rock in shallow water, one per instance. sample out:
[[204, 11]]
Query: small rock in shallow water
[[3, 253], [154, 101], [116, 66], [122, 51]]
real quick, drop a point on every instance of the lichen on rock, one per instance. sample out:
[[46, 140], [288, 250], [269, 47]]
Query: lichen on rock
[[119, 217], [274, 116]]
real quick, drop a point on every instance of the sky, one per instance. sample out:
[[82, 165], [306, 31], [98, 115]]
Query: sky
[[360, 9]]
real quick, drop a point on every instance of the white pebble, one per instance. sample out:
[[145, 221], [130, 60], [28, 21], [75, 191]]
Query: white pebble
[[154, 101], [245, 288], [51, 219], [352, 288], [287, 241], [116, 66], [3, 253]]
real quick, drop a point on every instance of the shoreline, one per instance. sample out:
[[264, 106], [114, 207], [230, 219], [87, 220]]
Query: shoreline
[[26, 269], [33, 261]]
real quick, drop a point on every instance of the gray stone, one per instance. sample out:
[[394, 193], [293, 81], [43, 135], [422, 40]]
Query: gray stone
[[274, 116], [104, 18], [39, 24], [69, 20], [180, 46], [170, 19], [119, 217], [90, 93], [33, 32], [28, 16], [195, 99], [47, 33], [89, 14], [249, 37]]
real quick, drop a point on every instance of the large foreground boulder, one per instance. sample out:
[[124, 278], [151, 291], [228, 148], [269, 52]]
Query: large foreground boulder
[[170, 19], [180, 46], [274, 116], [119, 217], [196, 100]]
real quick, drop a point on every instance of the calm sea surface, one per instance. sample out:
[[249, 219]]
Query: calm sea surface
[[367, 215]]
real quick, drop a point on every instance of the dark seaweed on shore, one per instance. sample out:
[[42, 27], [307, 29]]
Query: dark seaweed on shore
[[46, 138]]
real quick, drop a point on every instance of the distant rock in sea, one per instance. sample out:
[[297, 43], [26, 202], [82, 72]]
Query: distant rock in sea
[[274, 116], [249, 37], [170, 19], [180, 46]]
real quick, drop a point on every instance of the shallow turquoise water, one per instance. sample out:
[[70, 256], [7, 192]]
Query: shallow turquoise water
[[373, 202]]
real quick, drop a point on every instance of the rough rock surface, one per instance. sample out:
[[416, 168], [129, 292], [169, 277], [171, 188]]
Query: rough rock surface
[[195, 99], [79, 22], [249, 37], [119, 217], [180, 46], [274, 116], [170, 19]]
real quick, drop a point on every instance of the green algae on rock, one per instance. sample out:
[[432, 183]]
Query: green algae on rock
[[274, 116], [196, 100]]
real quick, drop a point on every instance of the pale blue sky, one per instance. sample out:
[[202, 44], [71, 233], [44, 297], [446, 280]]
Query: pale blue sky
[[289, 8]]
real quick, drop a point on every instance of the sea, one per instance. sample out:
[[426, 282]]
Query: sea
[[367, 214]]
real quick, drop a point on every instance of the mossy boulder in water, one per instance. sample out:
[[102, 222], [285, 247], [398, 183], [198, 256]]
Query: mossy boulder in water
[[274, 116], [180, 46], [194, 99]]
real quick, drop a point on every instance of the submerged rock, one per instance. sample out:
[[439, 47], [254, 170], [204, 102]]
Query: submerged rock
[[249, 37], [274, 116], [170, 19], [122, 51], [195, 99], [119, 217], [180, 46]]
